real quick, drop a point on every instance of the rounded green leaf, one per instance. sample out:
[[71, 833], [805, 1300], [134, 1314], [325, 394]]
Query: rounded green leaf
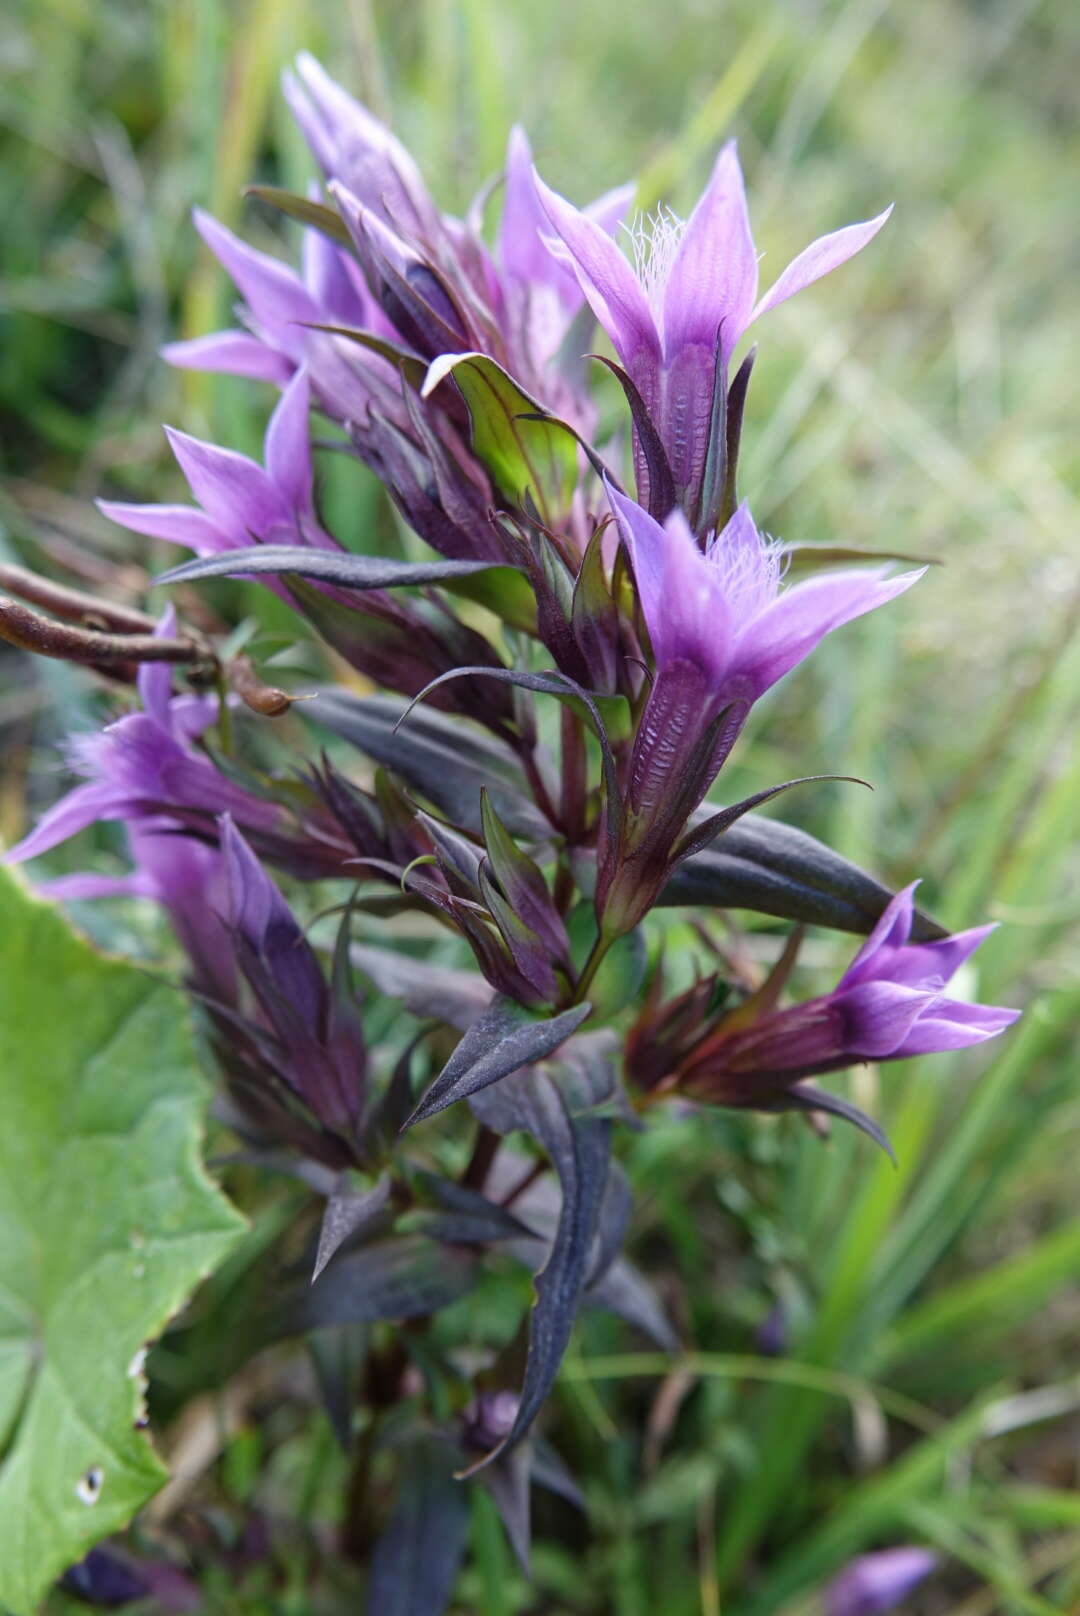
[[107, 1222]]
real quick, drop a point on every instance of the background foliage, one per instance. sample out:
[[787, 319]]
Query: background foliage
[[927, 1387]]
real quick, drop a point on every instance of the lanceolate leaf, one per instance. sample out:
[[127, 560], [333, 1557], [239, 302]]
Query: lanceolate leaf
[[504, 1039], [775, 869], [346, 1214], [551, 683], [401, 1277], [526, 451], [562, 1111], [329, 566], [464, 1216], [412, 368], [807, 557], [107, 1222], [436, 991], [624, 1290], [448, 762], [415, 1563]]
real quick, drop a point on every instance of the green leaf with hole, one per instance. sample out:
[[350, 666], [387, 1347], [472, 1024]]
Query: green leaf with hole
[[107, 1222], [527, 452]]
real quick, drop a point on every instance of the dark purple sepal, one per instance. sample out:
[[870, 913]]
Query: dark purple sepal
[[594, 619], [658, 496], [703, 834], [523, 884], [804, 1097]]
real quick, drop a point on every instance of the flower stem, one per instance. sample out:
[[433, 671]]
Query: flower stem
[[591, 966]]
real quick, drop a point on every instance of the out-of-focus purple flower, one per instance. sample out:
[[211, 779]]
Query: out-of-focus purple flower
[[187, 878], [144, 765], [490, 1419], [283, 311], [876, 1582], [680, 313], [240, 501], [108, 1580], [889, 1004], [521, 295]]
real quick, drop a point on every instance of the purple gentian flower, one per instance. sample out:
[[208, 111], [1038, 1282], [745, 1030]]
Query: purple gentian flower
[[723, 631], [721, 610], [283, 311], [542, 296], [874, 1583], [240, 501], [144, 765], [682, 311], [890, 1004]]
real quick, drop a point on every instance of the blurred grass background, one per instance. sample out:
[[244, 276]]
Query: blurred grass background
[[919, 400]]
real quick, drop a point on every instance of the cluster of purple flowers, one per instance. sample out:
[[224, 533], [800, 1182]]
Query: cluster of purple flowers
[[545, 794]]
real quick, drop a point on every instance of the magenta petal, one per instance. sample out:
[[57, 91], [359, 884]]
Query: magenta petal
[[336, 283], [823, 255], [354, 146], [85, 885], [288, 445], [878, 1017], [179, 524], [713, 276], [81, 807], [154, 679], [235, 492], [927, 965], [233, 353], [522, 253], [891, 932], [611, 288], [800, 618], [952, 1024], [261, 915], [874, 1583], [609, 210], [272, 291]]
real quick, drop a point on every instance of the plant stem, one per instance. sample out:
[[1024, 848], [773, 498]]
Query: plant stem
[[475, 1174], [592, 965]]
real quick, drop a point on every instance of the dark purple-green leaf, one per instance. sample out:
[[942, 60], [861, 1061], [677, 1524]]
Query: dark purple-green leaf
[[562, 1115], [329, 566], [445, 759], [416, 1560], [504, 1039], [345, 1215], [774, 869]]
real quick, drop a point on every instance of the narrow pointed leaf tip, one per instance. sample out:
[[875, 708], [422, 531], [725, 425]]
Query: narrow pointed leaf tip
[[504, 1039], [346, 1214]]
